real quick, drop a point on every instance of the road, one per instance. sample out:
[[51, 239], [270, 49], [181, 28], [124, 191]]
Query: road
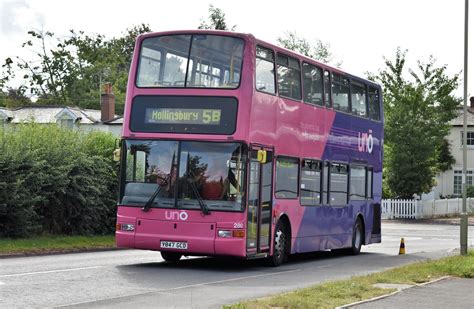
[[131, 278]]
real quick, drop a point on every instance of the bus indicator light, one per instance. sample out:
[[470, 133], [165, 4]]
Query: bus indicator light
[[238, 233]]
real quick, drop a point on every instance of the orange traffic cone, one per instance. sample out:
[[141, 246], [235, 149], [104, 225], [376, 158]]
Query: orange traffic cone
[[402, 247]]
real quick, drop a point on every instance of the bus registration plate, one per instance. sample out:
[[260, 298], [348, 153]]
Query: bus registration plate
[[181, 245]]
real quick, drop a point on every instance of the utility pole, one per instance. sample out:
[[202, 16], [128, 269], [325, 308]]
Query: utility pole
[[464, 222]]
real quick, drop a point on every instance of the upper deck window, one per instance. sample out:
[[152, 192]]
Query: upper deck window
[[374, 104], [289, 79], [358, 99], [327, 89], [204, 61], [313, 84], [340, 93], [265, 70]]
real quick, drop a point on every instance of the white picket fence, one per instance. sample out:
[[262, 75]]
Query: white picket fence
[[416, 209]]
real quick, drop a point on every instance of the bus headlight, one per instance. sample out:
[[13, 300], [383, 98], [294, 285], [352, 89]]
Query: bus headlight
[[125, 227], [233, 233], [224, 233]]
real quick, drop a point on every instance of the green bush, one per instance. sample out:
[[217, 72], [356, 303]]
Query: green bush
[[57, 181], [470, 191]]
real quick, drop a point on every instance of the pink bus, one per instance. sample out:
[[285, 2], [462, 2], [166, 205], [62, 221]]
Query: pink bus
[[236, 147]]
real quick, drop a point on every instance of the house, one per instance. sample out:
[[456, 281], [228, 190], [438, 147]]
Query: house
[[449, 183], [71, 117]]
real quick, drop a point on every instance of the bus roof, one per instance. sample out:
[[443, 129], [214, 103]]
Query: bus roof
[[248, 36]]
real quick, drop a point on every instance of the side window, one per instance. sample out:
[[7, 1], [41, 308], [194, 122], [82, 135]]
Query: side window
[[359, 99], [313, 84], [289, 77], [338, 184], [327, 88], [370, 176], [265, 70], [374, 104], [286, 184], [310, 184], [357, 183], [340, 93]]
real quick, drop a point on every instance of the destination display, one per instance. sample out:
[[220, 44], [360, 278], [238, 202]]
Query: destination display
[[183, 116]]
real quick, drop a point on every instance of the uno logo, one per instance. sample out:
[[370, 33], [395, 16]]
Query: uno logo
[[176, 215], [366, 142]]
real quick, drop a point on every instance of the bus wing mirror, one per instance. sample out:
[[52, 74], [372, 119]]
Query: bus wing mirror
[[262, 156], [117, 155]]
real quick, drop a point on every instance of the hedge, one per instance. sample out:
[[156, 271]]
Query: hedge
[[55, 180]]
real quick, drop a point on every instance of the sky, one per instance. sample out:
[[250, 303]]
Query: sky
[[360, 33]]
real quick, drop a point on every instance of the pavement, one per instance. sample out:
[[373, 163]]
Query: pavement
[[448, 292], [444, 220]]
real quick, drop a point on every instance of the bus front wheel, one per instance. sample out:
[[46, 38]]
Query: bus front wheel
[[170, 256], [280, 245]]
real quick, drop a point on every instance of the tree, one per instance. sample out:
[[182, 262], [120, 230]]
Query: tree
[[417, 115], [14, 97], [71, 70], [216, 20], [319, 51], [102, 60]]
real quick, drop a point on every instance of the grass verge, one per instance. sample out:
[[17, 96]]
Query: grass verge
[[338, 293], [52, 244]]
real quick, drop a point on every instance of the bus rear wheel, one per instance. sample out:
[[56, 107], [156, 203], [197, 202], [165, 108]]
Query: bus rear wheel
[[170, 256], [280, 246], [357, 238]]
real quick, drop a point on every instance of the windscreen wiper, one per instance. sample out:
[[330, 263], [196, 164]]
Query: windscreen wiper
[[149, 203], [204, 208]]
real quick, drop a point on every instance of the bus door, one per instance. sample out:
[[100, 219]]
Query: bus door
[[259, 200]]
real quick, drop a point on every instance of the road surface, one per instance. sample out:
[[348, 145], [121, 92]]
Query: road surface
[[132, 278]]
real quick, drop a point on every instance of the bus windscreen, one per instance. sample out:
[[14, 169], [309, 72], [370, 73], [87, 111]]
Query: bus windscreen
[[190, 61]]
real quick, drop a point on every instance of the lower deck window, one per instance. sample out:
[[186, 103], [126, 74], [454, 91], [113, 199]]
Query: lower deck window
[[338, 180], [310, 186], [286, 185], [358, 183]]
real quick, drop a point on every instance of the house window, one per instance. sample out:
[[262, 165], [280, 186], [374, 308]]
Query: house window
[[457, 188], [470, 138], [66, 123]]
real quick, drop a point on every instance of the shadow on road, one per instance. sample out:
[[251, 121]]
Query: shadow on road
[[235, 265]]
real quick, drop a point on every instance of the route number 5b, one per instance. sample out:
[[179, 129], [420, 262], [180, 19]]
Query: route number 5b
[[211, 116]]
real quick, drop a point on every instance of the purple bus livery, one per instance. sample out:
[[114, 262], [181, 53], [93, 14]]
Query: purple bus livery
[[235, 147]]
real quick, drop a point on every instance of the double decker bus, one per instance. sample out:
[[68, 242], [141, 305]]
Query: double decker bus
[[235, 147]]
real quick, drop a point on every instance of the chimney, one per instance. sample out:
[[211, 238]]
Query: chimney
[[472, 103], [107, 103]]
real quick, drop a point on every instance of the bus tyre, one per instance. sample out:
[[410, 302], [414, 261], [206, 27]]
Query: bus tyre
[[357, 238], [170, 256], [280, 245]]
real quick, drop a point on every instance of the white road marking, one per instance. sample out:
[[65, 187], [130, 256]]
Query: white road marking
[[183, 287], [49, 271]]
